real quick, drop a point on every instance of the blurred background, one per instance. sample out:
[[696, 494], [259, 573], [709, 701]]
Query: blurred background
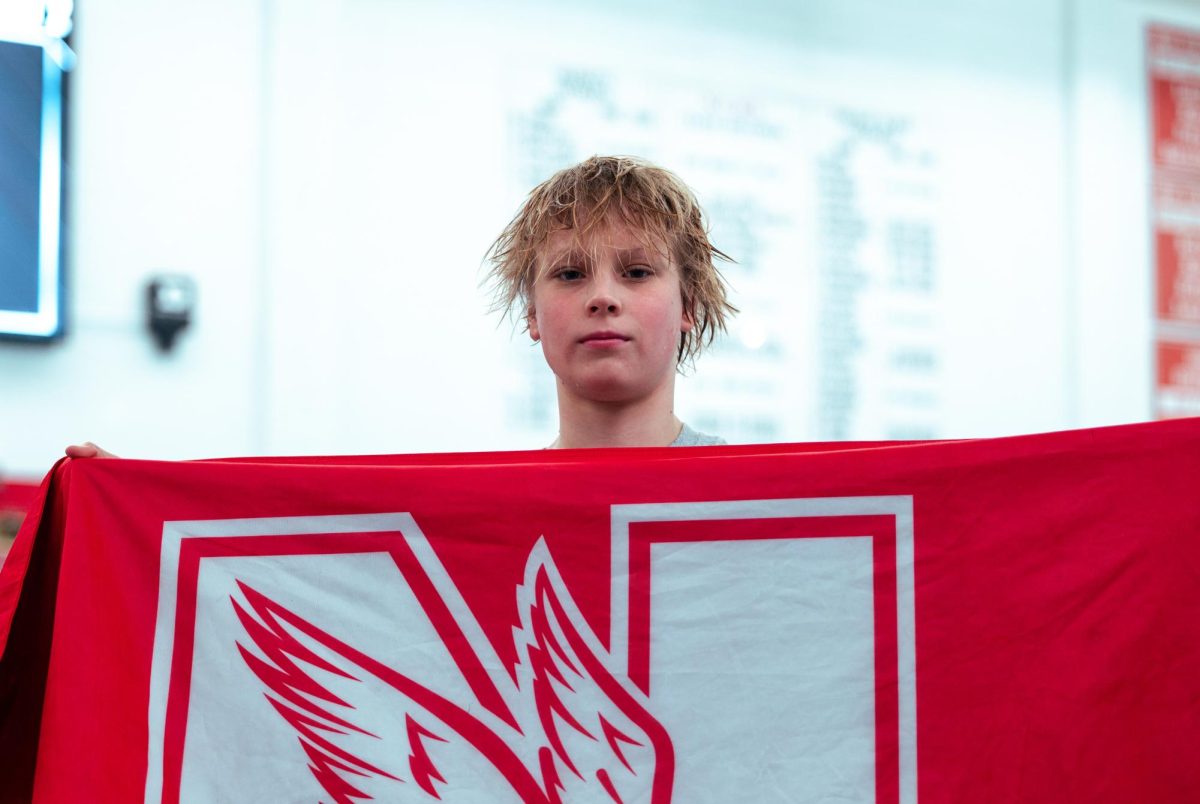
[[951, 218]]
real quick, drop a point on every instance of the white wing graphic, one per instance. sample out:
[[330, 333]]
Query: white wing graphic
[[578, 732]]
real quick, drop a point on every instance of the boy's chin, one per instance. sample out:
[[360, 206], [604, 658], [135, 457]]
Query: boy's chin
[[611, 389]]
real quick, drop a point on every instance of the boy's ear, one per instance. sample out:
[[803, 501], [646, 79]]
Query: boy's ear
[[531, 325], [688, 321]]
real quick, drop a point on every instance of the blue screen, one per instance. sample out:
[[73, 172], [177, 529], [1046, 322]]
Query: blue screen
[[20, 168], [30, 170]]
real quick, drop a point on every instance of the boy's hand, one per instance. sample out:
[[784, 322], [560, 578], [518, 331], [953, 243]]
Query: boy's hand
[[87, 450]]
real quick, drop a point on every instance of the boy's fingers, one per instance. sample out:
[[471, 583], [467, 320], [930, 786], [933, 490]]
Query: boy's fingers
[[87, 450]]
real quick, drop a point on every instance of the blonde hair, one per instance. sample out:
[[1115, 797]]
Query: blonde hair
[[652, 201]]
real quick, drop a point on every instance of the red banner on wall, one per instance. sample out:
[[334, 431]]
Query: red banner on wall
[[1178, 379], [1178, 297], [1173, 66], [1175, 100], [1013, 620]]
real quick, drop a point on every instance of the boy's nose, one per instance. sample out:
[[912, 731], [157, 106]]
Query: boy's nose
[[607, 304], [603, 298]]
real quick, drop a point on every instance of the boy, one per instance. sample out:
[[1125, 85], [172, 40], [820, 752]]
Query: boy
[[612, 270], [611, 267]]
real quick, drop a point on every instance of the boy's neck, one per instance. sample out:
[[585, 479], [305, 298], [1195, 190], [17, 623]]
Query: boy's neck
[[586, 423]]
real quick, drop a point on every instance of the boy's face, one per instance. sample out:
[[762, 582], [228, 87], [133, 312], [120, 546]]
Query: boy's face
[[609, 314]]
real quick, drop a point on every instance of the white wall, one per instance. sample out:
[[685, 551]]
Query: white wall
[[331, 171], [165, 114]]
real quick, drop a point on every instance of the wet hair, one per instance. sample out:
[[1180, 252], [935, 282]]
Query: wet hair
[[651, 201]]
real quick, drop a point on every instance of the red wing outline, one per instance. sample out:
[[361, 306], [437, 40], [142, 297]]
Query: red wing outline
[[583, 733]]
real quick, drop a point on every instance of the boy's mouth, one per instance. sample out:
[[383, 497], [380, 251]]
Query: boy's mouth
[[604, 338]]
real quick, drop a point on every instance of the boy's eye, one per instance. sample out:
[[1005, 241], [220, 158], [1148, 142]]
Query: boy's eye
[[638, 272], [568, 274]]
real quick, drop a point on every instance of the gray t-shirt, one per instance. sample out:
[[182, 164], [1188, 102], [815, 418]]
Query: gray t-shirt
[[690, 438]]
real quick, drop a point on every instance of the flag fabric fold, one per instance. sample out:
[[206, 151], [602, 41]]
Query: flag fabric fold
[[1012, 619]]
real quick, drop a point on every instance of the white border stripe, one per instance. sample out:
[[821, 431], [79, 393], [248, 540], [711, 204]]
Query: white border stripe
[[906, 649]]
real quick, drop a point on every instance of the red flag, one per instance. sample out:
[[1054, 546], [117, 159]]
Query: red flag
[[1012, 619]]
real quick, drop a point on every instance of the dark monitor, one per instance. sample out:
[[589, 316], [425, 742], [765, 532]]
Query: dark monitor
[[31, 168]]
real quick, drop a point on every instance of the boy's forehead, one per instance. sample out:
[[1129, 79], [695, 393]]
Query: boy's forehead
[[615, 235]]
